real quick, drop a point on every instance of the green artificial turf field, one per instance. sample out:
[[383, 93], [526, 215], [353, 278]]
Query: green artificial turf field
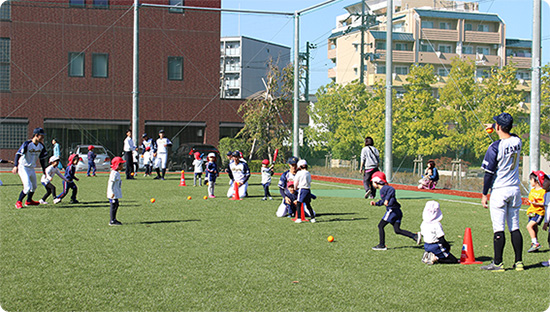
[[223, 255]]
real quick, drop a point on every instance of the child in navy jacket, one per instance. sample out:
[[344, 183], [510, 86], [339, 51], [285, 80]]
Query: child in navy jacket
[[393, 213], [69, 184]]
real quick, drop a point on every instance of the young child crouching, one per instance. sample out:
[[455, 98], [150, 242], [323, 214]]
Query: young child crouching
[[436, 248]]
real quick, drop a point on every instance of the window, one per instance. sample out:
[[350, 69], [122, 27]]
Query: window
[[482, 72], [443, 72], [76, 64], [399, 27], [12, 133], [427, 24], [381, 45], [484, 28], [100, 65], [523, 75], [5, 11], [468, 50], [355, 71], [401, 46], [426, 48], [175, 68], [381, 69], [5, 59], [401, 70], [444, 25], [445, 48], [468, 27], [178, 3], [101, 4], [482, 50], [77, 3]]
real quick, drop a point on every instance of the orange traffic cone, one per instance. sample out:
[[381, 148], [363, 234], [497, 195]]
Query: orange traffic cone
[[235, 191], [302, 214], [182, 181], [467, 255]]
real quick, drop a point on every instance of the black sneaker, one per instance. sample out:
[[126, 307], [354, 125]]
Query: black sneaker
[[380, 247], [367, 194], [116, 222], [157, 178], [74, 201]]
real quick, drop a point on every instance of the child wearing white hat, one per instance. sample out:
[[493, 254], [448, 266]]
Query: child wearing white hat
[[436, 248], [47, 178]]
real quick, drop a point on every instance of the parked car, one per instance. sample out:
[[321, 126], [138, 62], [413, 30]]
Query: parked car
[[102, 161], [182, 158]]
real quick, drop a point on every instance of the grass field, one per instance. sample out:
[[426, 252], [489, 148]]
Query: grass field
[[222, 255]]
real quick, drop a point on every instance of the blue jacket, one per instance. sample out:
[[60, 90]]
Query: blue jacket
[[388, 193]]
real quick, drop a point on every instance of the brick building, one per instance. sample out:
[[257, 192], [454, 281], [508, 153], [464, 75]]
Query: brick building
[[66, 65]]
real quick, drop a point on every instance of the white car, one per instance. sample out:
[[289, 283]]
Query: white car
[[102, 160]]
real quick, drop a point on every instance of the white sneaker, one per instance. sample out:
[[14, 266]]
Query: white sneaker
[[312, 220], [264, 198], [298, 221], [42, 202], [270, 198], [57, 200]]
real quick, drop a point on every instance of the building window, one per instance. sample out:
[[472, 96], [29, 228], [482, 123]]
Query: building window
[[5, 11], [523, 75], [178, 3], [468, 27], [401, 70], [426, 48], [381, 45], [484, 28], [12, 133], [399, 27], [380, 69], [444, 25], [355, 71], [468, 50], [100, 65], [401, 46], [483, 73], [427, 24], [5, 59], [76, 64], [101, 4], [175, 68], [445, 48], [482, 50], [77, 3], [443, 72]]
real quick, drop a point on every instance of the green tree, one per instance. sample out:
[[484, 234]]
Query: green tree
[[545, 111]]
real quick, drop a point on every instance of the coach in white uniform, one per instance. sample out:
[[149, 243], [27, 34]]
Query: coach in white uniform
[[25, 161], [501, 165], [161, 154], [241, 173]]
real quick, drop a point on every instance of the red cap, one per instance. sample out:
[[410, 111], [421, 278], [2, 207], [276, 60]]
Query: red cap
[[197, 155], [540, 174], [116, 161], [265, 162], [378, 177], [72, 157], [290, 183], [90, 147]]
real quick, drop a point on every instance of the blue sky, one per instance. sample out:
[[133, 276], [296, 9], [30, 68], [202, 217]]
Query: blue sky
[[315, 26]]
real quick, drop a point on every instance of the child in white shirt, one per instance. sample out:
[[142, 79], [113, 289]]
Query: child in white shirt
[[48, 177], [437, 249], [197, 163], [302, 182], [114, 188], [267, 172]]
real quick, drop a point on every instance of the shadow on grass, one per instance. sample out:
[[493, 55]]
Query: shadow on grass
[[163, 222], [342, 220], [533, 266], [403, 247]]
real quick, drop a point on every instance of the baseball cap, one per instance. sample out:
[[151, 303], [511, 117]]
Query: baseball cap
[[504, 120], [265, 162], [197, 155], [432, 212], [379, 177], [290, 183], [72, 157], [292, 160], [144, 135], [54, 158], [211, 155], [302, 162], [90, 147], [116, 161], [236, 154], [39, 131], [161, 131], [230, 153], [540, 175]]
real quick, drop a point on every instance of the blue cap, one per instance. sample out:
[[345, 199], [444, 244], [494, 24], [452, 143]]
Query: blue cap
[[161, 131], [39, 131], [504, 120], [292, 160], [229, 153], [144, 135], [236, 154]]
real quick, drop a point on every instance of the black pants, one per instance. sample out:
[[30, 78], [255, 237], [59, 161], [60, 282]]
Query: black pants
[[266, 190], [397, 229], [50, 190], [113, 208], [367, 176], [129, 164]]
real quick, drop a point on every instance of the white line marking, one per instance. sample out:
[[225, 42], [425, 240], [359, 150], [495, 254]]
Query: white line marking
[[341, 186]]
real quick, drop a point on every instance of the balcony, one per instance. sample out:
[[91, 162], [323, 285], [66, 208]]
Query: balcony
[[483, 59], [521, 62], [436, 57], [331, 54], [397, 56], [439, 34], [332, 73], [482, 37]]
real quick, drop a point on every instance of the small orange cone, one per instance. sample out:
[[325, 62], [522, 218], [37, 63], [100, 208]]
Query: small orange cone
[[235, 191], [302, 214], [467, 255], [182, 181]]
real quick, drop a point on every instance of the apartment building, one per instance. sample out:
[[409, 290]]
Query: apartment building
[[424, 33], [244, 62]]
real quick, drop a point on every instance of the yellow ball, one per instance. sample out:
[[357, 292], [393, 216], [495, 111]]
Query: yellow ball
[[205, 197], [188, 197], [132, 174], [330, 239], [152, 200], [489, 130]]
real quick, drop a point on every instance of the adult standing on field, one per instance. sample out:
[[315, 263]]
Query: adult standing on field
[[129, 148], [57, 152], [370, 160], [501, 165], [161, 154]]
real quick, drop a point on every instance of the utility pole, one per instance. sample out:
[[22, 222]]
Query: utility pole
[[388, 157], [135, 90], [306, 89], [362, 63], [534, 135]]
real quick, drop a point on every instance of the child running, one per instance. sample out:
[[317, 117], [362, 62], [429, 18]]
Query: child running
[[535, 212], [197, 163], [212, 173], [267, 172], [546, 186], [114, 188], [69, 184], [436, 248], [47, 178], [393, 213], [302, 181]]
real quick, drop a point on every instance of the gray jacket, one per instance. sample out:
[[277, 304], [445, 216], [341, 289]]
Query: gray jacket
[[370, 157]]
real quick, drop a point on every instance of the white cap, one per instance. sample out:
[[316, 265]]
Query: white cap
[[54, 158], [211, 155], [302, 162], [432, 213]]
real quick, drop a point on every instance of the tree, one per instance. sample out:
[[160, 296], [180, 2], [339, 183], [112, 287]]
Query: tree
[[545, 111]]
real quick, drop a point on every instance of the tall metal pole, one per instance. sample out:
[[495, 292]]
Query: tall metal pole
[[362, 62], [135, 91], [534, 136], [388, 159], [295, 124]]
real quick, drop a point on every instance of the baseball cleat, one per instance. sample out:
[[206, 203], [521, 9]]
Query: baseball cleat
[[380, 247], [19, 205], [493, 267], [518, 266], [534, 247]]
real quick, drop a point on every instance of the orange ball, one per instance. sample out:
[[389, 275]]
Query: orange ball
[[205, 197], [152, 200], [330, 239], [188, 197], [489, 130]]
